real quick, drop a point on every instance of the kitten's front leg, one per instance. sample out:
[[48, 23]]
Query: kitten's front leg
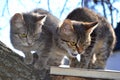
[[41, 63], [28, 57]]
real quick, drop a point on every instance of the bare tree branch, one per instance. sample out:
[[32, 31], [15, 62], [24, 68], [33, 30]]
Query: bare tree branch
[[63, 8], [82, 3], [104, 11], [48, 2], [111, 10], [85, 2], [12, 66], [79, 3], [5, 7]]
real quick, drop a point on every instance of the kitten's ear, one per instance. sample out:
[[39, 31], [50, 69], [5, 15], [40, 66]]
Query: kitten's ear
[[41, 19], [90, 26], [17, 20], [66, 27]]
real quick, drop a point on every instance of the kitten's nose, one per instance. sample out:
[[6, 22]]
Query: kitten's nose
[[80, 49], [30, 43]]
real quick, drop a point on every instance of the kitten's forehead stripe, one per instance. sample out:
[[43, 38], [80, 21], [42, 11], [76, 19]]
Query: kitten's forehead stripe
[[80, 31], [30, 22]]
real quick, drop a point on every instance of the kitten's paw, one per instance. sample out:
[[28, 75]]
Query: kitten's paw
[[38, 66], [28, 60]]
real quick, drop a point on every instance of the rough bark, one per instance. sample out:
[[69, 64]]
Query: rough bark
[[12, 66]]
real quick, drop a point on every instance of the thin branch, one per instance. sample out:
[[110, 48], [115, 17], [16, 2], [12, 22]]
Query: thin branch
[[3, 11], [102, 2], [48, 2], [37, 1], [85, 2], [8, 7], [111, 9], [79, 3], [5, 7], [111, 13], [63, 8], [82, 3]]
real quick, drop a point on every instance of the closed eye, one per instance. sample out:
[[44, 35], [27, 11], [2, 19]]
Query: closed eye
[[69, 42], [64, 40], [73, 43]]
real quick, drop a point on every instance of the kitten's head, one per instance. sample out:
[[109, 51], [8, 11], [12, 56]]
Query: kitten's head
[[76, 35], [26, 28]]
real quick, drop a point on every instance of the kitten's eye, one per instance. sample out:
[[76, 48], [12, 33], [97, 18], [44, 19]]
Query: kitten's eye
[[73, 43], [23, 35], [64, 40]]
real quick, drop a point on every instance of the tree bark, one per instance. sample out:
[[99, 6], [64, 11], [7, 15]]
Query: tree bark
[[12, 66]]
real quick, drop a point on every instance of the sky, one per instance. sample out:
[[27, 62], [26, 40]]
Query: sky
[[26, 6], [9, 7]]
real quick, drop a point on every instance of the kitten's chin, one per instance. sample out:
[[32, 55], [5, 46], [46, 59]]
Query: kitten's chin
[[74, 54], [27, 45], [77, 56]]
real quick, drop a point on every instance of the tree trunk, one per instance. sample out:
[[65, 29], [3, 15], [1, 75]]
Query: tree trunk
[[12, 66]]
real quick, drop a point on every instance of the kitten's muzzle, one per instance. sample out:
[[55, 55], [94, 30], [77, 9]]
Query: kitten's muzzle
[[74, 54], [30, 43], [80, 49]]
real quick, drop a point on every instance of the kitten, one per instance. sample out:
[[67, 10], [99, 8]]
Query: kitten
[[26, 31], [89, 34], [94, 46], [63, 44]]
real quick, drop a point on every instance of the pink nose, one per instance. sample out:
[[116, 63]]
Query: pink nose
[[80, 49]]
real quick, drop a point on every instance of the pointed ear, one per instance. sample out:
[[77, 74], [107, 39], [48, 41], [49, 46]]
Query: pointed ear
[[90, 26], [41, 19], [17, 20], [66, 27], [18, 17]]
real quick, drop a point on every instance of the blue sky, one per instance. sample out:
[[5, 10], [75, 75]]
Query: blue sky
[[18, 6], [7, 10]]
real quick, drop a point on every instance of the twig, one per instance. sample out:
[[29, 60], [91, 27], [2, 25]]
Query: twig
[[63, 8]]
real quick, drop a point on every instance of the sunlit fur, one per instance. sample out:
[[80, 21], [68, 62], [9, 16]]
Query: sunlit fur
[[76, 35], [26, 30]]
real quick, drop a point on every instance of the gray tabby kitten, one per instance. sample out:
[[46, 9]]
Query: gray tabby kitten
[[95, 51], [26, 31], [89, 34]]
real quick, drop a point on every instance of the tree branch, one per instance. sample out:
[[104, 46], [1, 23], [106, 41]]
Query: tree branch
[[63, 8], [13, 68], [102, 2]]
